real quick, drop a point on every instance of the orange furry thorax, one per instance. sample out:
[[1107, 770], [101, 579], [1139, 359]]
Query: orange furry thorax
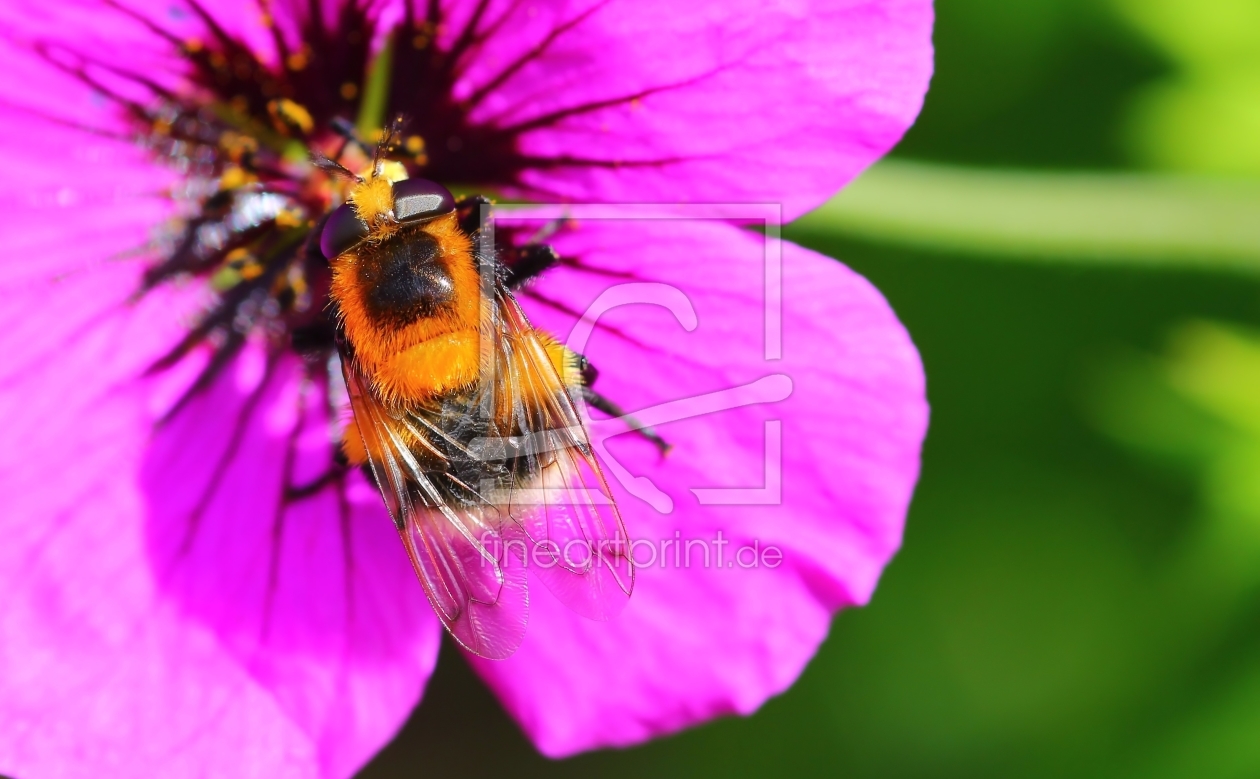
[[411, 363], [410, 304]]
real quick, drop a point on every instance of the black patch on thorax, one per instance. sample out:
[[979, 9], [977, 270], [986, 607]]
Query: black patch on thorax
[[403, 279]]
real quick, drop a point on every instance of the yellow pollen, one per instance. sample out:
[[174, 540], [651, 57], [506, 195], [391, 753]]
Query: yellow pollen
[[290, 115], [297, 60], [237, 145], [349, 90], [234, 177], [296, 281], [243, 264], [393, 171], [414, 144], [288, 218]]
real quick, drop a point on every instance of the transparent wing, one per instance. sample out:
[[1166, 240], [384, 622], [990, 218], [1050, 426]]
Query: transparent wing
[[578, 545], [469, 560], [496, 483]]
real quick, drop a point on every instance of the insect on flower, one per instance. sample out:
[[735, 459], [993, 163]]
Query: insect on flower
[[230, 258], [464, 413]]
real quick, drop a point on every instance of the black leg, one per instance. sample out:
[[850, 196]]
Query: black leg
[[527, 262], [469, 211], [518, 264], [596, 400]]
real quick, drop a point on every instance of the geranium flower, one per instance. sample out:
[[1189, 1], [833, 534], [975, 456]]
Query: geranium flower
[[194, 586]]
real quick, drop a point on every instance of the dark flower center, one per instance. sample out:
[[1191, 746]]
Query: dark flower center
[[244, 131]]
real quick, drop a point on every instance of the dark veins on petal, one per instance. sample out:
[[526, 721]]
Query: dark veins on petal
[[243, 130]]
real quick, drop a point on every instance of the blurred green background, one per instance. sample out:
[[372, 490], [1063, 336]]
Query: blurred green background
[[1072, 235]]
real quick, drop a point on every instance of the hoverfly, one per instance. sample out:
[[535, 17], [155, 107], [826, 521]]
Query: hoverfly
[[465, 414]]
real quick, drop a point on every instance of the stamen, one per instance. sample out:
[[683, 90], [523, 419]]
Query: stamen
[[266, 151], [290, 117]]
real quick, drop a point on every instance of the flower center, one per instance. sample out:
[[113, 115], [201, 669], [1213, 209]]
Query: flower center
[[245, 130]]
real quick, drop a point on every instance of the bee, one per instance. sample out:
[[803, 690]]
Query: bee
[[465, 414]]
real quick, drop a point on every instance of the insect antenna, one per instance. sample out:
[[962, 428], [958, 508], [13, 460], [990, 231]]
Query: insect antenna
[[388, 143], [322, 162]]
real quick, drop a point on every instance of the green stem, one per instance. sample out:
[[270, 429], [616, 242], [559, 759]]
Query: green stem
[[1139, 219], [375, 92]]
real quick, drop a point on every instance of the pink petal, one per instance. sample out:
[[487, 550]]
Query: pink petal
[[118, 44], [698, 642], [43, 44], [144, 639], [157, 624], [732, 101], [260, 642]]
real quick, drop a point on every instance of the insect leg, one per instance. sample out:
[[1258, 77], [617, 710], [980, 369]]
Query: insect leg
[[527, 262], [531, 259], [519, 263], [471, 214], [598, 401]]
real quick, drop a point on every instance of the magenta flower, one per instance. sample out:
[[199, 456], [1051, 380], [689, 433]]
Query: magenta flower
[[194, 586]]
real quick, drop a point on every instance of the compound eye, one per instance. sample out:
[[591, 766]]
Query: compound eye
[[342, 230], [418, 200]]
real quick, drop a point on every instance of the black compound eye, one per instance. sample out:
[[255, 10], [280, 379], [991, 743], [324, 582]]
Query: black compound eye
[[342, 230], [416, 200]]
